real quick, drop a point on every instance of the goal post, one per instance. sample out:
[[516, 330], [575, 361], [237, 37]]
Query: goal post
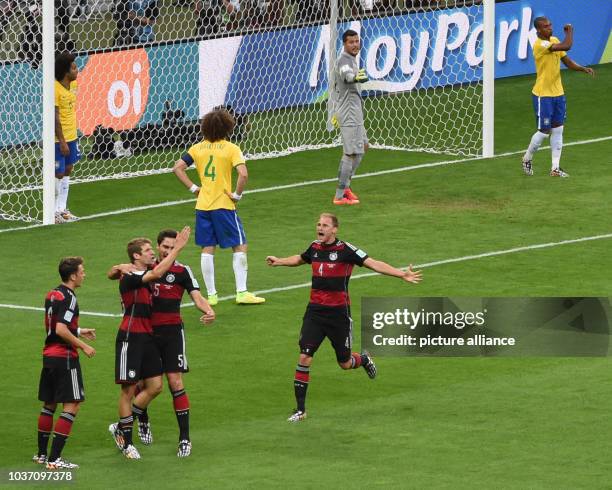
[[142, 91]]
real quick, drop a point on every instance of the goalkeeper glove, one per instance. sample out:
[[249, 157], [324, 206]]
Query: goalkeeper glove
[[335, 122], [361, 76]]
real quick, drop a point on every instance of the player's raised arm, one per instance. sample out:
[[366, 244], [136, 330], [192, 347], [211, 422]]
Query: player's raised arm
[[567, 43], [164, 265], [292, 261], [388, 270]]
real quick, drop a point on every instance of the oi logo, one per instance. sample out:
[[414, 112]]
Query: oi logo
[[113, 90]]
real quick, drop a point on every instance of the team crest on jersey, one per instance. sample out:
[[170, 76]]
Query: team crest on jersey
[[333, 256], [170, 278]]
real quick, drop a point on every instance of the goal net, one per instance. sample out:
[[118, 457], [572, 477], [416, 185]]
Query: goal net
[[150, 69]]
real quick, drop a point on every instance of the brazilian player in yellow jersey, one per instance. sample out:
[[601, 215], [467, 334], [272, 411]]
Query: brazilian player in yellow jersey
[[217, 222], [548, 95], [67, 151]]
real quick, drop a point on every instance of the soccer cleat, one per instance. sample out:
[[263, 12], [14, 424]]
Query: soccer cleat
[[558, 172], [527, 168], [117, 435], [297, 416], [184, 449], [369, 366], [213, 299], [144, 432], [59, 219], [130, 452], [344, 201], [349, 194], [39, 458], [61, 464], [246, 298], [68, 216]]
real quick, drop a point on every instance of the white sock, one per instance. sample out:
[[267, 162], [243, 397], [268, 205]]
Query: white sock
[[58, 186], [536, 141], [207, 262], [556, 145], [62, 199], [239, 261]]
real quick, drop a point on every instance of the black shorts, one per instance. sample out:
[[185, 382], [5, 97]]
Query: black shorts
[[136, 358], [60, 381], [170, 341], [334, 323]]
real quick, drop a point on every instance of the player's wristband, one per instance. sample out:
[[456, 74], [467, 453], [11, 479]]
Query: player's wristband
[[78, 332], [236, 197], [193, 188]]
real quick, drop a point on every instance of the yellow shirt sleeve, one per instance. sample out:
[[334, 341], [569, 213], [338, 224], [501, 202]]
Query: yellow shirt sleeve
[[237, 156]]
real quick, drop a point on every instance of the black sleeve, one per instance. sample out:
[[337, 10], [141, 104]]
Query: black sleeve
[[130, 282], [307, 255], [188, 159], [66, 309], [188, 281], [355, 255]]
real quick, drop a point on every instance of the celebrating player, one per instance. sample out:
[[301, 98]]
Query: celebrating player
[[169, 334], [67, 151], [349, 116], [217, 222], [136, 354], [61, 380], [548, 96], [329, 313]]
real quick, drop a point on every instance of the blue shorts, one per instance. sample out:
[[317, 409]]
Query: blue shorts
[[219, 227], [549, 111], [62, 161]]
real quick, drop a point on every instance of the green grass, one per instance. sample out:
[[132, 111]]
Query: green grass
[[424, 422]]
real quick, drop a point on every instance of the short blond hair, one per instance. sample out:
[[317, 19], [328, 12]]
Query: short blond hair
[[332, 217]]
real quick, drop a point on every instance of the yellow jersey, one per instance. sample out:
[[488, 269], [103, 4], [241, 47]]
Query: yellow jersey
[[548, 68], [214, 163], [65, 101]]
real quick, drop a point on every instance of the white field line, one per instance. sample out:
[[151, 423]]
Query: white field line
[[312, 182], [370, 274]]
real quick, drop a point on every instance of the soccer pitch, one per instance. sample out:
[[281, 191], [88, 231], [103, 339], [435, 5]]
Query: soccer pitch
[[423, 422]]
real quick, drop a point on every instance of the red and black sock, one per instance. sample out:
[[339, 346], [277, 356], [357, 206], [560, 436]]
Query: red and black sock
[[357, 360], [45, 426], [126, 424], [62, 429], [300, 385], [181, 408]]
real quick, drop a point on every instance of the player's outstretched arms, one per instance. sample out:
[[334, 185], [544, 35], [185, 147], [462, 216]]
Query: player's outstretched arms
[[181, 240], [116, 271], [292, 261], [388, 270]]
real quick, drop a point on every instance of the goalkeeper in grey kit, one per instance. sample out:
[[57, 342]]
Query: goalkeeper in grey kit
[[348, 115]]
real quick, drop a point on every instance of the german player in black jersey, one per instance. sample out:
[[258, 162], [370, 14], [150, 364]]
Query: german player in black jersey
[[328, 313], [136, 354], [61, 380], [169, 334]]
